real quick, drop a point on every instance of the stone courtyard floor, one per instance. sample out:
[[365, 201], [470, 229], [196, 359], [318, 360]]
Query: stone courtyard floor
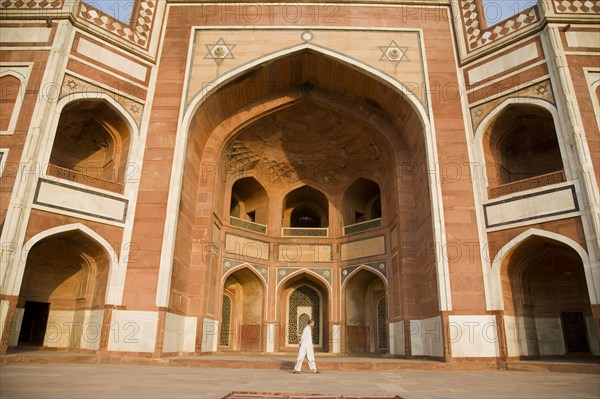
[[92, 381]]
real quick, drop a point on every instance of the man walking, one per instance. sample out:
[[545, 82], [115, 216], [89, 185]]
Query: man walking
[[306, 349]]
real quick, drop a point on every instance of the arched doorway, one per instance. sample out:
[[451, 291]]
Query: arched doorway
[[242, 312], [303, 297], [365, 313], [546, 301], [61, 301]]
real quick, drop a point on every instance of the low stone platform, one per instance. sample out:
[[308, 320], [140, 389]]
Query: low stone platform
[[286, 361], [270, 395]]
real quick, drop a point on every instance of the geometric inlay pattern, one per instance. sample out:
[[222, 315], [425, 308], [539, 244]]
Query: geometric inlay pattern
[[541, 91], [225, 321], [32, 4], [283, 272], [382, 336], [136, 32], [303, 296], [476, 36], [576, 6], [380, 267], [393, 53], [229, 264], [220, 51], [73, 85]]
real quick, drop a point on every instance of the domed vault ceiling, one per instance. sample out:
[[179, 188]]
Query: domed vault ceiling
[[307, 141]]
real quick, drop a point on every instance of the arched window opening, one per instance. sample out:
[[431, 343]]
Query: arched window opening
[[304, 216], [305, 213], [522, 151], [91, 146], [362, 206], [10, 86], [249, 205]]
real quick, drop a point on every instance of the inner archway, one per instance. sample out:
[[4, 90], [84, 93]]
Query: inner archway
[[365, 313], [302, 298], [242, 311]]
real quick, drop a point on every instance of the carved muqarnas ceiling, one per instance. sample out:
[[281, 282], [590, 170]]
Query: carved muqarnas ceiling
[[307, 141]]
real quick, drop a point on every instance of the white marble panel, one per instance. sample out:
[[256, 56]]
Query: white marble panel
[[210, 335], [112, 59], [521, 336], [397, 338], [133, 331], [474, 336], [583, 39], [85, 202], [13, 338], [501, 64], [592, 336], [27, 35], [530, 206], [180, 333], [426, 337]]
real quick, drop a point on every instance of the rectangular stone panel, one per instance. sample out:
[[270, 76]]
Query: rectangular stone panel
[[112, 59], [553, 202], [83, 202], [304, 252], [498, 65], [246, 248], [26, 35], [133, 331], [363, 248]]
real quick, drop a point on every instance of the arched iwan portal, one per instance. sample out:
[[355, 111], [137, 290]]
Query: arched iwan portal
[[546, 301], [61, 302]]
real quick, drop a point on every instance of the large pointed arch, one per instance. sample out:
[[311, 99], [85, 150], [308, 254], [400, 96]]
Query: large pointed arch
[[187, 113]]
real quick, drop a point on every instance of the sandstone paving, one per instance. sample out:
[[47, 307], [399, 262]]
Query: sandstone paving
[[91, 381]]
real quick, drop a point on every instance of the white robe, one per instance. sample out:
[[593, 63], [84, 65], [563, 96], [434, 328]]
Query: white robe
[[306, 350]]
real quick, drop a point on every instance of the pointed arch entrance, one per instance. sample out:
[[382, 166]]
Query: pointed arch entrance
[[546, 301], [62, 296], [302, 297], [242, 311], [365, 312]]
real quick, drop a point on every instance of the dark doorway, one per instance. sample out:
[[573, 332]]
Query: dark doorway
[[33, 327], [574, 329]]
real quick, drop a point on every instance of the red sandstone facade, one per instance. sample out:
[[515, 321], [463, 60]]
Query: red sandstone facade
[[212, 175]]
